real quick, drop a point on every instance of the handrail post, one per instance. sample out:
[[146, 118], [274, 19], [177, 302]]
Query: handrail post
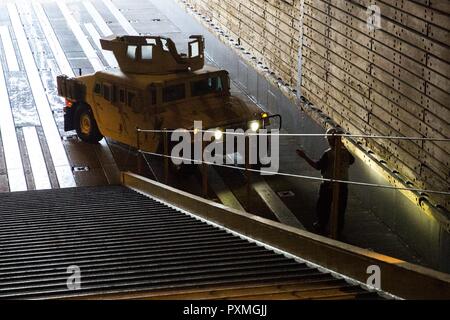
[[334, 212], [204, 172], [139, 155], [166, 157], [247, 171]]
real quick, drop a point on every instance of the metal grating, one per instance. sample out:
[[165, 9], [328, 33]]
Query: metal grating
[[125, 242]]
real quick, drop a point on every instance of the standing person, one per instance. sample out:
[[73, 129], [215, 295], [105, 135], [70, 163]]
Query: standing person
[[326, 167]]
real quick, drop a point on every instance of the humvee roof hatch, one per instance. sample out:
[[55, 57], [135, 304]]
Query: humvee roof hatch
[[154, 55]]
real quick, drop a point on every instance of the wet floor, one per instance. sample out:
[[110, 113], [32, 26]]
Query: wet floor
[[40, 40]]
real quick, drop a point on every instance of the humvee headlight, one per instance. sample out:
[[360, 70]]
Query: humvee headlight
[[218, 134], [254, 126]]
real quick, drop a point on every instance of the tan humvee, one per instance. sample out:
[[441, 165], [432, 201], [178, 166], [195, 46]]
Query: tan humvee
[[155, 88]]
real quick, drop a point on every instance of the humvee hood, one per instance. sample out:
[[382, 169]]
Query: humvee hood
[[213, 112]]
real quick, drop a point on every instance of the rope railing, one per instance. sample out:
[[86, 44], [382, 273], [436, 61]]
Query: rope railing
[[296, 175], [344, 135]]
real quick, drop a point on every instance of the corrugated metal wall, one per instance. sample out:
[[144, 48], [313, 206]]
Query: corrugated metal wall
[[394, 80]]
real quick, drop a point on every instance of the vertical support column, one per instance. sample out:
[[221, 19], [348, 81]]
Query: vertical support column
[[139, 155], [247, 171], [334, 218], [299, 52]]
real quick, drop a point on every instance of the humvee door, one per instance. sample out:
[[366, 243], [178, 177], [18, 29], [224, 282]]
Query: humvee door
[[108, 110]]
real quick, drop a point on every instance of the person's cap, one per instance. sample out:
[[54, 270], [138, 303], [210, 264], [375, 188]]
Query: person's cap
[[333, 131]]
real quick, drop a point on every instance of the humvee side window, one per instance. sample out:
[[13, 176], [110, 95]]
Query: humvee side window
[[147, 52], [173, 93], [205, 86], [131, 99], [131, 52], [107, 92], [122, 96], [97, 88]]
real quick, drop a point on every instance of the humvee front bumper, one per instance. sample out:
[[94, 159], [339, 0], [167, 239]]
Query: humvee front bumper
[[265, 122]]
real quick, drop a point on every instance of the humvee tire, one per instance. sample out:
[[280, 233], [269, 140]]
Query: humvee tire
[[85, 124]]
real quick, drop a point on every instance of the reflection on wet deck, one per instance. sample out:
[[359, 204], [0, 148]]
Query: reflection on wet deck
[[40, 40]]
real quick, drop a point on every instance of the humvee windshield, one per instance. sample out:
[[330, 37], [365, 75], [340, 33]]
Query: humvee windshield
[[206, 86]]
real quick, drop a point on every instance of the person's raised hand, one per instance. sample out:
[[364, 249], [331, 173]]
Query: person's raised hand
[[301, 153]]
